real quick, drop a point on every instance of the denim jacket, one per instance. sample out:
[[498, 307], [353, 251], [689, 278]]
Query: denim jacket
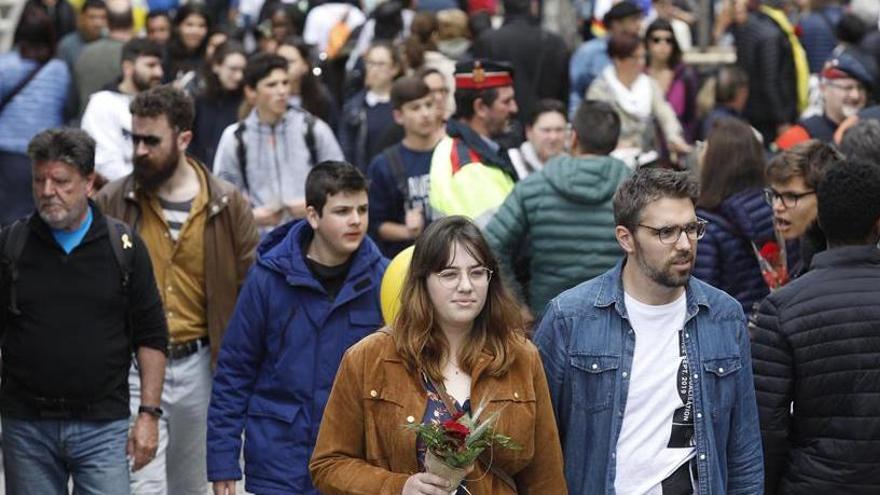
[[587, 344]]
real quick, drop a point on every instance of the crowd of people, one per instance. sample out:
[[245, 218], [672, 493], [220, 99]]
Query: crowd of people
[[660, 273]]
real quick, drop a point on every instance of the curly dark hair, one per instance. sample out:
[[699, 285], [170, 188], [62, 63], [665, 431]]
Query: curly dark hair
[[848, 206], [165, 100]]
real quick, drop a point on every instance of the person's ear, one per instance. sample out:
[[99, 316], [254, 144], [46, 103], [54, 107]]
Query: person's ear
[[625, 238], [398, 116], [183, 140], [573, 143], [90, 184], [127, 68], [313, 217], [481, 110]]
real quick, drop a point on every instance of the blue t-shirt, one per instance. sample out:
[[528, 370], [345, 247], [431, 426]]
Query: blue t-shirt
[[387, 202], [69, 240]]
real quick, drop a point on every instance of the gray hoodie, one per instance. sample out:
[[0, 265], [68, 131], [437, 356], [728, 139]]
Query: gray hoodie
[[277, 157]]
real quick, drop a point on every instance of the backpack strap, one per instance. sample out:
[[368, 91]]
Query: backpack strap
[[16, 237], [310, 138], [122, 244], [398, 169], [241, 153]]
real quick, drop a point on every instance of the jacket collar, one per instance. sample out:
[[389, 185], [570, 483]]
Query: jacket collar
[[611, 293], [218, 198], [868, 254], [494, 158], [281, 252]]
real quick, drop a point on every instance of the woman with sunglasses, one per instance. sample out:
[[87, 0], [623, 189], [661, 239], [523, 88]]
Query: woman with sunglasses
[[732, 200], [458, 339], [678, 81]]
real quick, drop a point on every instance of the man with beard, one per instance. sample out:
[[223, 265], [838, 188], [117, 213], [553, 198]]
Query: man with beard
[[845, 84], [649, 368], [107, 118], [201, 237], [470, 173], [77, 298]]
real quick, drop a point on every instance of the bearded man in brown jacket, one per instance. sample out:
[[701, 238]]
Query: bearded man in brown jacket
[[201, 237]]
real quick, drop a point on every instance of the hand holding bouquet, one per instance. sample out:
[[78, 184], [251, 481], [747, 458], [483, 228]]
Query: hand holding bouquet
[[455, 444]]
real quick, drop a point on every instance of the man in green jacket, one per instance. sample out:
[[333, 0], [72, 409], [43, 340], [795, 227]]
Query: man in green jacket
[[562, 216]]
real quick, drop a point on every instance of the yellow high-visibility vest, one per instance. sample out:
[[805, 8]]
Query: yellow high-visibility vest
[[462, 185]]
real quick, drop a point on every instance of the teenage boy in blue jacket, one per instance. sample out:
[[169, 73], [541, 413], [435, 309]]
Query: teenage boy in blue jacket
[[313, 292]]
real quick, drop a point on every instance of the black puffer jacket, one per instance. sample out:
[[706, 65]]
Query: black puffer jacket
[[817, 344]]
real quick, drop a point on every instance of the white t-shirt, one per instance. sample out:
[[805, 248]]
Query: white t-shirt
[[656, 437]]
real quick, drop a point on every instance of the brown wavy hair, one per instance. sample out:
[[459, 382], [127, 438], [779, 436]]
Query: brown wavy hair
[[417, 336]]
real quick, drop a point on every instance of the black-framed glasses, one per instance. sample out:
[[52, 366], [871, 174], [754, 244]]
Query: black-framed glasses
[[789, 199], [670, 234]]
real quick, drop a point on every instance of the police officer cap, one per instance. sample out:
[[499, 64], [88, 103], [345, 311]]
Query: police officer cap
[[483, 74], [846, 66]]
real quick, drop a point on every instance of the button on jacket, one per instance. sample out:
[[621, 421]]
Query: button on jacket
[[587, 346], [363, 448], [230, 241]]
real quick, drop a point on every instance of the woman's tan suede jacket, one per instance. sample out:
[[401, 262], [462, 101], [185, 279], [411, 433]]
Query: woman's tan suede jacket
[[362, 447]]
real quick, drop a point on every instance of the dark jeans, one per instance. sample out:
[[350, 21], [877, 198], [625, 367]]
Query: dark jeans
[[16, 194]]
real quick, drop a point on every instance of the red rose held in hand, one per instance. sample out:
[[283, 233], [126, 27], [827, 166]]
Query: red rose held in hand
[[770, 252], [456, 429]]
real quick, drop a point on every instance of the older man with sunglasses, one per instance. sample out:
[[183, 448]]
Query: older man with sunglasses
[[649, 368]]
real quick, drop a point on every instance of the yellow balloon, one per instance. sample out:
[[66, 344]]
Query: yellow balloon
[[392, 284]]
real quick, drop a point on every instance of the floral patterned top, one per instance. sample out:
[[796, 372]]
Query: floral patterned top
[[437, 412]]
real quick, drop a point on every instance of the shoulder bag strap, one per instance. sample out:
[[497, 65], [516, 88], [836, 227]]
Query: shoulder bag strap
[[20, 86]]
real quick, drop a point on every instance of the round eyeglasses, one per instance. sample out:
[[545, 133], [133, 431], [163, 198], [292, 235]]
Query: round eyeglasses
[[450, 278]]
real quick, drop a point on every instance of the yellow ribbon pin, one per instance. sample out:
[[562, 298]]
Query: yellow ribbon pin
[[126, 242]]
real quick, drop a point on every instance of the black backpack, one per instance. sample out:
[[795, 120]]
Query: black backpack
[[121, 240]]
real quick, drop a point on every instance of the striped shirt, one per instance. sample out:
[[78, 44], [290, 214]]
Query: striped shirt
[[175, 214]]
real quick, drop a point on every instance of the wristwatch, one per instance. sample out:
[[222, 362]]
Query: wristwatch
[[154, 411]]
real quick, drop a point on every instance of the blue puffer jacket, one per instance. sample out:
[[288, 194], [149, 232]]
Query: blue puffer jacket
[[279, 358], [725, 258]]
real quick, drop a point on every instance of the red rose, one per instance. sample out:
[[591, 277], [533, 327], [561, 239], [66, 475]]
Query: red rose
[[455, 429], [799, 31], [770, 252]]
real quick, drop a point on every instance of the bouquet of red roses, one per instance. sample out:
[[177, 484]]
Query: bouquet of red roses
[[454, 445]]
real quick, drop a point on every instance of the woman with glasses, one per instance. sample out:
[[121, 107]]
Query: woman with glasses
[[732, 200], [637, 99], [678, 81], [458, 331]]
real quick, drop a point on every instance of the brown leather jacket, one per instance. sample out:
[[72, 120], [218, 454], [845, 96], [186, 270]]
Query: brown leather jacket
[[363, 449], [231, 240]]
